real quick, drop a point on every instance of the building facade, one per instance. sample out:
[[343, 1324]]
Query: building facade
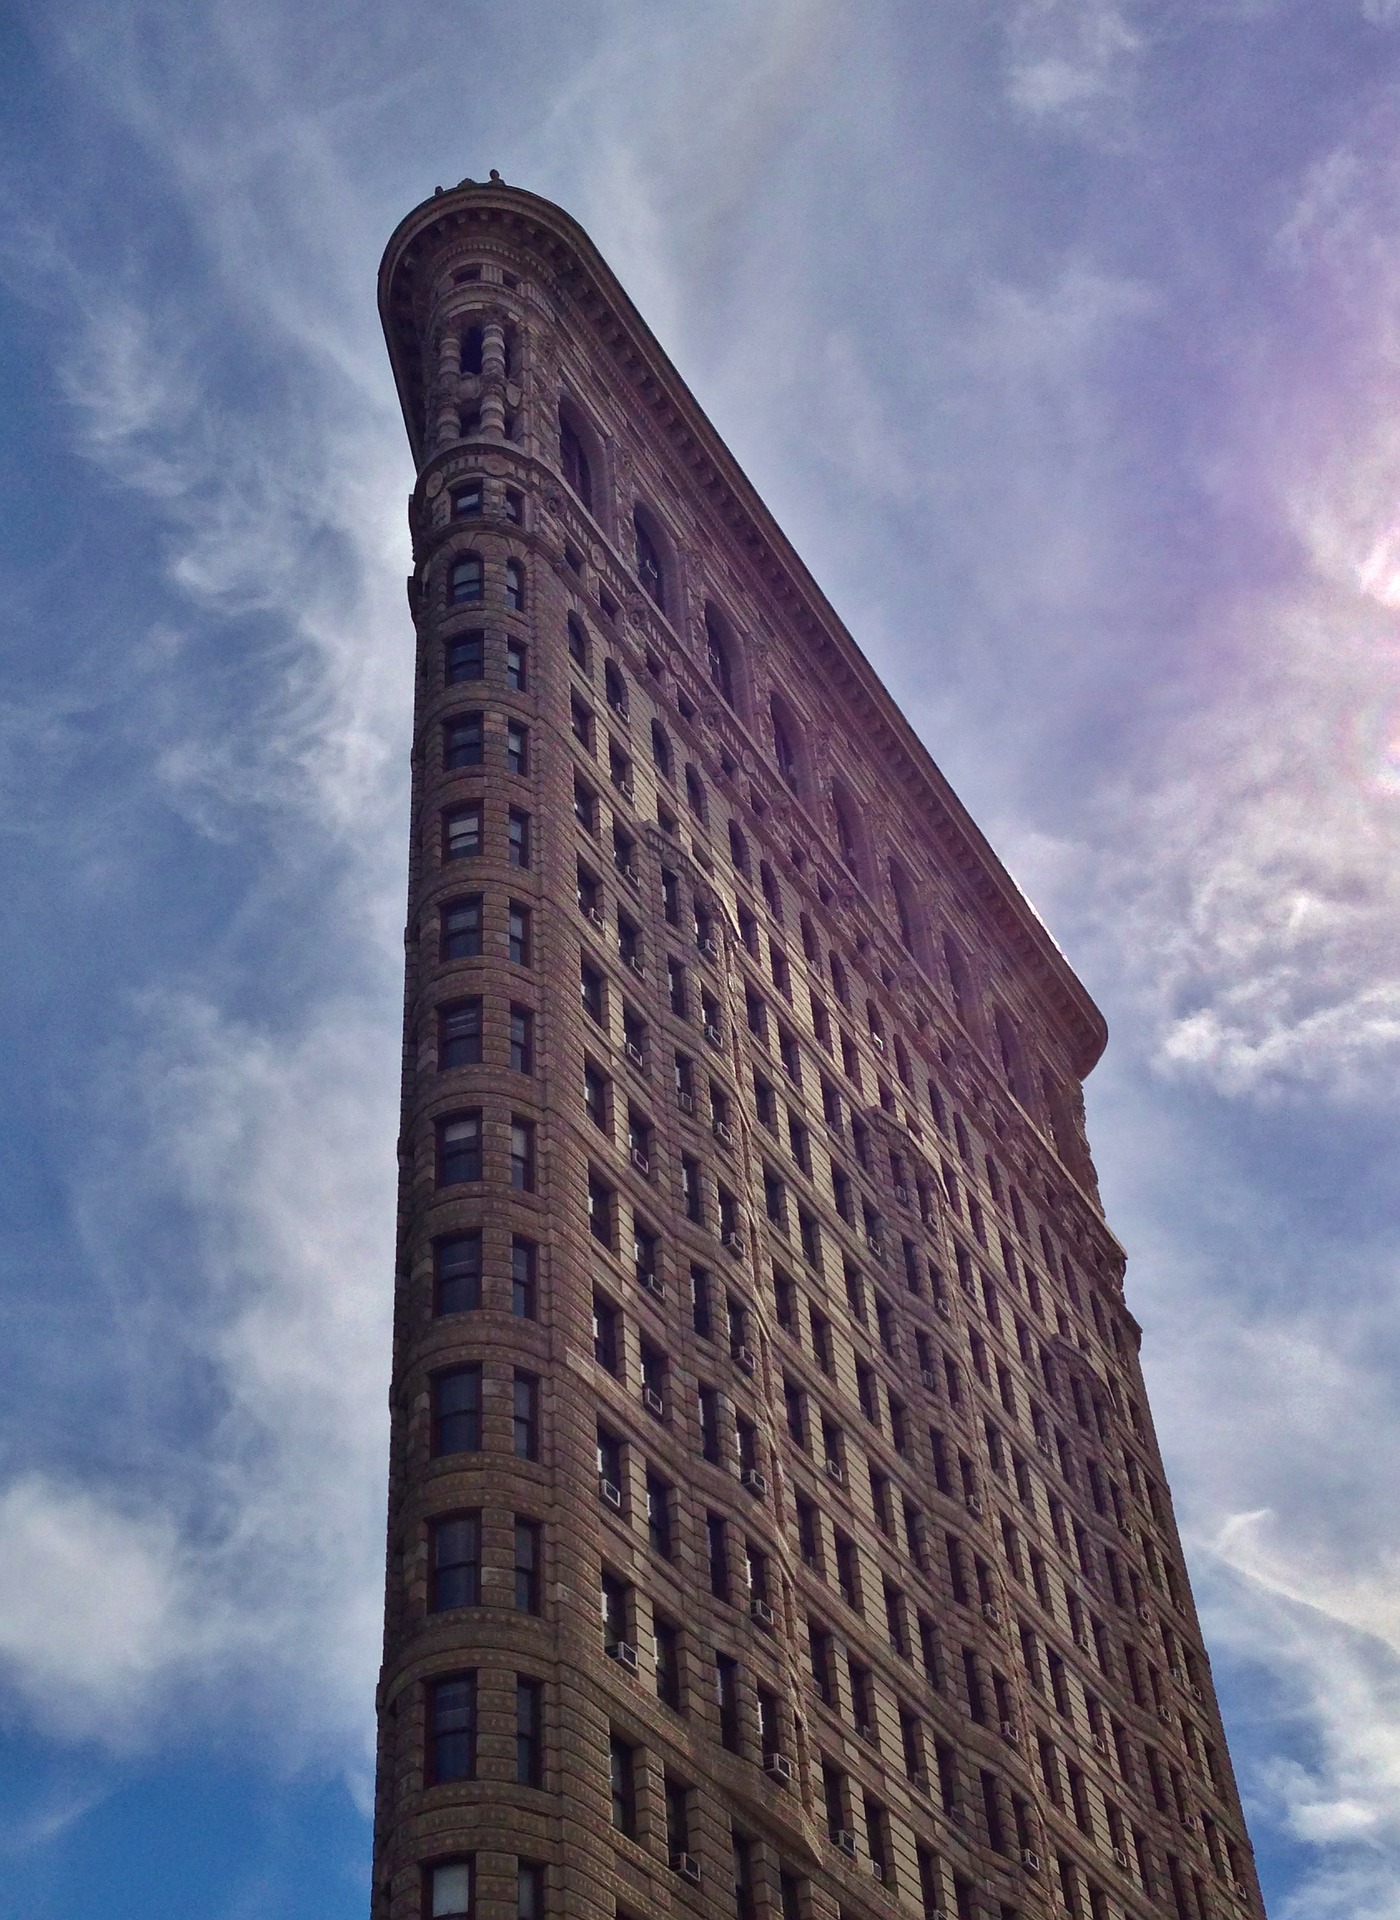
[[776, 1526]]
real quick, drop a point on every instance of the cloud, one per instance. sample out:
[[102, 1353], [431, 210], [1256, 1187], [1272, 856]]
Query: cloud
[[1072, 64]]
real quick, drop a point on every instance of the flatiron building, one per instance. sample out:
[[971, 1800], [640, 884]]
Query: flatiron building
[[776, 1527]]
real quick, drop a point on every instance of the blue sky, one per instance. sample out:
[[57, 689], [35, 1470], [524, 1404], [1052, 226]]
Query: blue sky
[[1062, 340]]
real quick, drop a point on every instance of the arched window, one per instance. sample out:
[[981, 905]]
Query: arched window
[[660, 750], [839, 981], [899, 887], [784, 752], [515, 586], [717, 652], [472, 341], [1009, 1047], [578, 642], [738, 848], [901, 1063], [573, 459], [772, 898], [957, 977], [615, 688], [465, 584], [649, 563], [845, 829], [695, 793]]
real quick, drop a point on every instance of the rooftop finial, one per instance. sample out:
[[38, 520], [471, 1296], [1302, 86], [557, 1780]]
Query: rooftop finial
[[496, 180]]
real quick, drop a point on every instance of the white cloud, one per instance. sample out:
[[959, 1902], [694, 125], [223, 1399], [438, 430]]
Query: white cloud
[[1072, 63]]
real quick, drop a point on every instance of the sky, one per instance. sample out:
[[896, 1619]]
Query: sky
[[1063, 339]]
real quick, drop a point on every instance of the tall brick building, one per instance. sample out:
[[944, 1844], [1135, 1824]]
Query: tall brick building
[[776, 1526]]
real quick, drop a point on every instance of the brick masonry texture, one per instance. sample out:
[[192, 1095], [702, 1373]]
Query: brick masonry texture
[[806, 1386]]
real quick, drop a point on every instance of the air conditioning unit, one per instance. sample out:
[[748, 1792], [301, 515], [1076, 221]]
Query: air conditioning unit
[[1239, 1889], [650, 1283], [633, 1052], [1010, 1733], [877, 1869], [1125, 1529], [779, 1766], [845, 1840], [920, 1779], [762, 1612], [685, 1101], [1084, 1643], [991, 1613], [640, 1161], [1120, 1859], [973, 1505], [1030, 1860], [1144, 1614], [595, 916], [620, 708], [653, 1402], [1042, 1445], [835, 1471], [609, 1493], [635, 962], [1100, 1744], [624, 1655], [941, 1302], [1179, 1675], [687, 1866], [1191, 1822], [1164, 1714], [867, 1732], [626, 789], [629, 873], [877, 1043], [720, 1129], [713, 1034], [744, 1358], [734, 1240], [875, 1244], [902, 1194], [709, 947], [930, 1379], [754, 1481], [1196, 1693]]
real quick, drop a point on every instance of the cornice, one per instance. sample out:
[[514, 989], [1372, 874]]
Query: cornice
[[581, 277]]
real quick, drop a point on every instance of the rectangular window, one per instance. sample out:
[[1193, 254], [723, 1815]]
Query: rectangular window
[[522, 1040], [621, 1773], [529, 1732], [518, 838], [517, 670], [452, 1729], [461, 832], [667, 1640], [457, 1273], [456, 1563], [461, 741], [459, 1034], [460, 928], [601, 1212], [717, 1546], [522, 1154], [523, 1261], [525, 1412], [606, 1322], [452, 1890], [659, 1502], [529, 1890], [592, 994], [727, 1699], [457, 1411], [518, 935], [517, 747], [459, 1148], [465, 657], [527, 1565]]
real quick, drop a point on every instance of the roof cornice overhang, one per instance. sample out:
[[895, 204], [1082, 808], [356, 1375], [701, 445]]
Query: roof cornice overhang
[[580, 273]]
